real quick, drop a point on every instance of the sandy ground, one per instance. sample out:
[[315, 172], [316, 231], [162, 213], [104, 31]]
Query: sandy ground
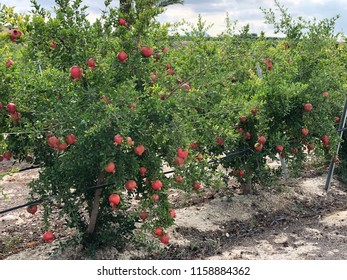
[[294, 220]]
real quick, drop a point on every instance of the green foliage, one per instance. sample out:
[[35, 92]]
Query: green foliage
[[211, 98], [341, 158]]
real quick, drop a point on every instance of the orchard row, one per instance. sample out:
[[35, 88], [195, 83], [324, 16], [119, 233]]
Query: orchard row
[[185, 102]]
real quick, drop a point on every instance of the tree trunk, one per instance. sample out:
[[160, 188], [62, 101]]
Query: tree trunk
[[246, 187], [96, 204]]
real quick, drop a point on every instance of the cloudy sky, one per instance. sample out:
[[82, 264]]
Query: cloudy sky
[[214, 11]]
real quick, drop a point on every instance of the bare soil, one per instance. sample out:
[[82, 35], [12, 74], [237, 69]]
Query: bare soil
[[293, 220]]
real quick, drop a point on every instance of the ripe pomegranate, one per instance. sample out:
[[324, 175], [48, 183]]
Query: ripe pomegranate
[[32, 209], [91, 63], [242, 173], [196, 185], [268, 63], [147, 52], [143, 215], [310, 147], [248, 136], [164, 238], [122, 22], [165, 50], [254, 111], [71, 139], [240, 130], [182, 154], [194, 145], [153, 78], [130, 185], [16, 117], [11, 108], [279, 148], [130, 141], [172, 213], [7, 155], [158, 231], [53, 44], [157, 185], [179, 179], [337, 119], [304, 131], [220, 141], [243, 119], [143, 171], [262, 139], [114, 199], [139, 150], [199, 157], [117, 139], [122, 56], [110, 167], [155, 197], [76, 72], [132, 106], [294, 150], [179, 161], [325, 139], [171, 71], [15, 34], [186, 86], [1, 106], [308, 107], [62, 146], [258, 146], [53, 141], [325, 93], [48, 236], [9, 63]]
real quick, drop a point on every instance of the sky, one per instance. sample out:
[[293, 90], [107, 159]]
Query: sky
[[214, 12]]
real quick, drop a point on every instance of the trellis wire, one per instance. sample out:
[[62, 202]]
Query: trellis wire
[[30, 203], [52, 197]]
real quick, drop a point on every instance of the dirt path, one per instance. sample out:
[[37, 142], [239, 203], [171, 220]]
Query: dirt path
[[295, 220]]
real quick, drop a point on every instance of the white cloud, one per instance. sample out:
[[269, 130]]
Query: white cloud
[[244, 12], [248, 12], [214, 11]]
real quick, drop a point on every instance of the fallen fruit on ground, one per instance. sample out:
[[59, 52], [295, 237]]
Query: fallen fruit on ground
[[48, 236], [32, 209]]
